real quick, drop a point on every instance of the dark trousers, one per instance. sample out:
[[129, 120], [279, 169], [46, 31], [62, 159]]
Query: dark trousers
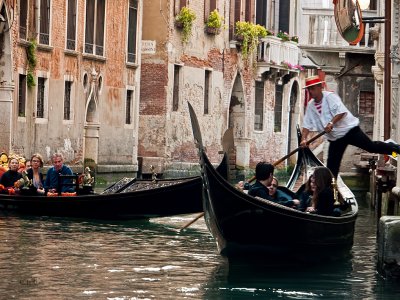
[[358, 138]]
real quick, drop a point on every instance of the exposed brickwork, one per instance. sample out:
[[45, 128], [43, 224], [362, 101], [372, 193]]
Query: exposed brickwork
[[195, 62], [153, 89]]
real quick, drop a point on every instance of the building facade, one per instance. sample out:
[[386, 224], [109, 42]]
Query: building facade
[[258, 95], [70, 80]]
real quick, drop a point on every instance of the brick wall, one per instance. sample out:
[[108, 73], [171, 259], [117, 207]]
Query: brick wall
[[153, 89]]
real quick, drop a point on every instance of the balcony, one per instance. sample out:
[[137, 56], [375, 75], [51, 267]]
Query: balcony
[[274, 53], [320, 32]]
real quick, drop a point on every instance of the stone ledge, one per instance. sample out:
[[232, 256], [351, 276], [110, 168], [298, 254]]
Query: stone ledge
[[116, 168], [74, 168], [100, 168]]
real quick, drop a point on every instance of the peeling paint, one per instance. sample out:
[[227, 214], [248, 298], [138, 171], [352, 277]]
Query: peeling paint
[[48, 152]]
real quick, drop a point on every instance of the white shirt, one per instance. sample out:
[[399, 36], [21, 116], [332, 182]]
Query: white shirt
[[332, 105]]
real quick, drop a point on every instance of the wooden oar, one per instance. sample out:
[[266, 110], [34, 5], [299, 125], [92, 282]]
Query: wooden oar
[[292, 152], [253, 178], [192, 221]]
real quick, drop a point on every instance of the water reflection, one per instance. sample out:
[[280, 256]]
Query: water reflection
[[354, 278], [60, 258], [284, 281], [56, 258]]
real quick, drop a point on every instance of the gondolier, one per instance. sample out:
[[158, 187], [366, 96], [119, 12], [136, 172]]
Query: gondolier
[[326, 112]]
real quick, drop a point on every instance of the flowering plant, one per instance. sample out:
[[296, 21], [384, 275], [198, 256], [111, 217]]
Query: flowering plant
[[214, 19], [283, 35], [298, 67], [185, 19], [287, 64], [214, 22], [295, 39], [290, 66], [250, 33]]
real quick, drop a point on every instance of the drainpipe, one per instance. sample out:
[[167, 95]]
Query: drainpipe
[[272, 15], [387, 94], [37, 21], [396, 189], [387, 70]]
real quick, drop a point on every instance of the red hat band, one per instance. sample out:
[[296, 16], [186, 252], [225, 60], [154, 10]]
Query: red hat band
[[313, 81]]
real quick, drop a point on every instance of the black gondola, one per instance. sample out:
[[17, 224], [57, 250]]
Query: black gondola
[[245, 226], [127, 199]]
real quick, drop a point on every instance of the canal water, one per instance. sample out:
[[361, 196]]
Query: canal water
[[61, 258]]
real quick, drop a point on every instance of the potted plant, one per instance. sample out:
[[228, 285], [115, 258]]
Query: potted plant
[[283, 35], [185, 20], [214, 22], [295, 39], [249, 35]]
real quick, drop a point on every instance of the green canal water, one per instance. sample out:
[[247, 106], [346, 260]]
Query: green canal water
[[62, 258]]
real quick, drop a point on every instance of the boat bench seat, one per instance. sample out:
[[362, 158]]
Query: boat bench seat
[[74, 181]]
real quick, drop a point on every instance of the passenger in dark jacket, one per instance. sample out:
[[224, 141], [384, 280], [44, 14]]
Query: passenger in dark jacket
[[305, 196], [281, 197], [264, 176], [11, 176], [51, 183], [323, 198]]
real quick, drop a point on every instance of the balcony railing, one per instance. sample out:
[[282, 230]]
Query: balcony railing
[[322, 30], [94, 49], [70, 44], [274, 51], [22, 32], [44, 39]]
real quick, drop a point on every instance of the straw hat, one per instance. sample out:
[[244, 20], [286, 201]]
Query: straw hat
[[313, 80]]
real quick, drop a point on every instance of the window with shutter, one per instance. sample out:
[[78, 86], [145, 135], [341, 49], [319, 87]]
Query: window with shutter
[[23, 19], [44, 26], [94, 27], [71, 25], [132, 30]]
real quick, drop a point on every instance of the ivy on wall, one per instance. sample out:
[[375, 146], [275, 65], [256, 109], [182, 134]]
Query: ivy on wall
[[31, 58]]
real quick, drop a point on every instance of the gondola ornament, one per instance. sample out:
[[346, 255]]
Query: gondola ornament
[[154, 174], [335, 192]]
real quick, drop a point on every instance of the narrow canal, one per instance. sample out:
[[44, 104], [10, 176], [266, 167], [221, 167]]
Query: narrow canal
[[57, 258]]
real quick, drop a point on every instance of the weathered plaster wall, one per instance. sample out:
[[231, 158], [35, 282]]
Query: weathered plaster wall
[[165, 136], [117, 141]]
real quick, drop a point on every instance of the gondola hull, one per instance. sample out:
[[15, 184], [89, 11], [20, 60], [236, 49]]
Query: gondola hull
[[243, 225], [165, 198], [248, 227]]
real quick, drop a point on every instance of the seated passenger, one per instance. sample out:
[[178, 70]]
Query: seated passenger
[[322, 202], [11, 176], [305, 196], [264, 176], [28, 165], [281, 197], [21, 164], [51, 183], [35, 174]]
